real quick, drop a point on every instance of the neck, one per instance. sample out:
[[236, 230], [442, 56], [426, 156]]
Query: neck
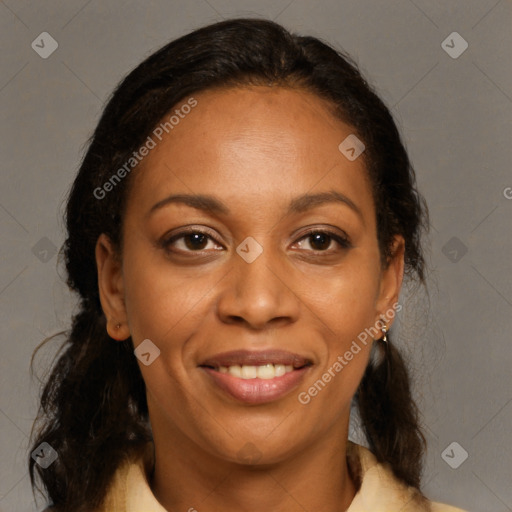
[[188, 478]]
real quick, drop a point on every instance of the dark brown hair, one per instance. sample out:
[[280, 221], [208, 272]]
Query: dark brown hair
[[93, 406]]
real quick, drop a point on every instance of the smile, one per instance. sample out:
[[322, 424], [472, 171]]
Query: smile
[[256, 377]]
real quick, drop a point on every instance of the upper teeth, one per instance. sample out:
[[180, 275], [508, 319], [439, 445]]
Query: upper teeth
[[267, 371]]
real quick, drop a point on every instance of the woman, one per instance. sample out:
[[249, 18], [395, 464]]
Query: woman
[[238, 233]]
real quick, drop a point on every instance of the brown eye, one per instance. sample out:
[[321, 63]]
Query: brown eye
[[195, 241], [322, 241], [190, 241]]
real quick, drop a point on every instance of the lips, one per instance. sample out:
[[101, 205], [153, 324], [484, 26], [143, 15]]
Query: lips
[[252, 358], [244, 375]]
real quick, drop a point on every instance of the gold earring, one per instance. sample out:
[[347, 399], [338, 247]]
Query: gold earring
[[384, 332]]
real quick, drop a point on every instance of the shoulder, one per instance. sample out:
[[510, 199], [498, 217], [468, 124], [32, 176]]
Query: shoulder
[[379, 489], [130, 488]]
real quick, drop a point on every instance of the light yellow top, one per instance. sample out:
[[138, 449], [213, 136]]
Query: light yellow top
[[380, 491]]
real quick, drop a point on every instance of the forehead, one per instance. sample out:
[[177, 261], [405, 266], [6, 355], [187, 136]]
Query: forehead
[[258, 142]]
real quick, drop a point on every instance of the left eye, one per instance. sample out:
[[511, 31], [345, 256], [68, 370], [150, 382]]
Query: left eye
[[321, 241]]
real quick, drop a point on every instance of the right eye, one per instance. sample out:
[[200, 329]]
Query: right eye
[[190, 240]]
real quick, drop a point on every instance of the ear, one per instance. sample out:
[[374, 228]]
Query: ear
[[111, 288], [391, 282]]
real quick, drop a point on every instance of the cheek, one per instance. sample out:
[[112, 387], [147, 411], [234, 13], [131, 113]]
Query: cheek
[[156, 303], [345, 351], [347, 306], [162, 304], [347, 297]]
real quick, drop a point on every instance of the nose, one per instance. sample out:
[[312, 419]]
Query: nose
[[258, 295]]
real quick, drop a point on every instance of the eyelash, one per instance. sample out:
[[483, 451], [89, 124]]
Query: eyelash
[[343, 241]]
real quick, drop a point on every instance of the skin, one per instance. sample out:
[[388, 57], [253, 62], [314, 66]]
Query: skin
[[255, 149]]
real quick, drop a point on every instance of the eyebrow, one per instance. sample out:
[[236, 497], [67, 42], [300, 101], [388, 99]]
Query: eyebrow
[[299, 204]]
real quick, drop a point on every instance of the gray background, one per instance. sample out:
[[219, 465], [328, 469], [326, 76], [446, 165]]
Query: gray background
[[455, 115]]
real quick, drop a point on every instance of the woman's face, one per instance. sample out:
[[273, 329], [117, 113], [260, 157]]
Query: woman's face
[[250, 261]]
